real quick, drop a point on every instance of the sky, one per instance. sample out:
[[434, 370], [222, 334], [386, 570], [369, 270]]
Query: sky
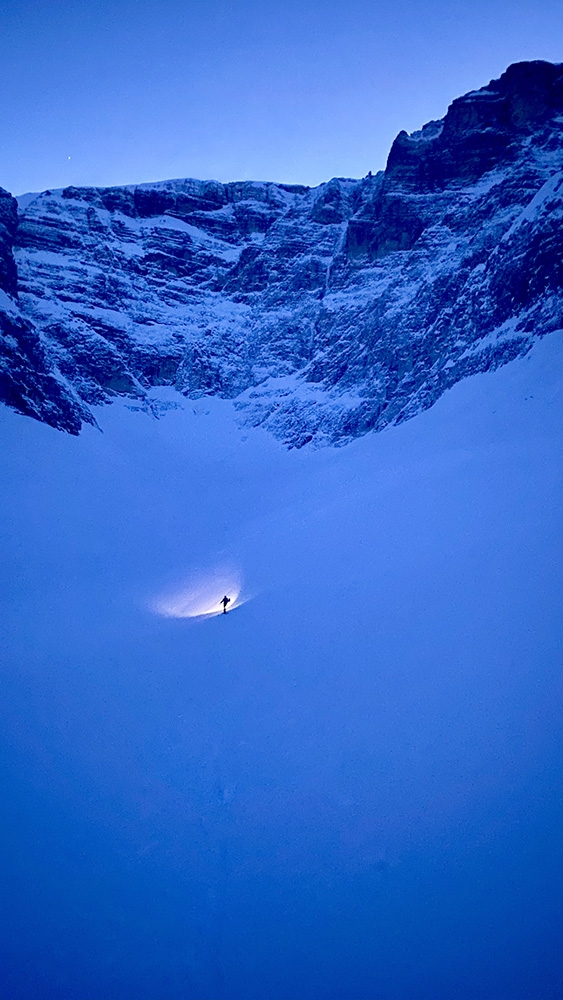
[[107, 93]]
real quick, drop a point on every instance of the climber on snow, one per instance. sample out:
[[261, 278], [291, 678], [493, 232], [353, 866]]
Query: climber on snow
[[226, 600]]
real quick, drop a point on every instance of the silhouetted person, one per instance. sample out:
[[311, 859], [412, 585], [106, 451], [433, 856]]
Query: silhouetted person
[[226, 600]]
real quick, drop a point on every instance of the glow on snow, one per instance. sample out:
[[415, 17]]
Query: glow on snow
[[201, 596]]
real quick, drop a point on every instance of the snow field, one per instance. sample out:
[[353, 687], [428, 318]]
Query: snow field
[[351, 787]]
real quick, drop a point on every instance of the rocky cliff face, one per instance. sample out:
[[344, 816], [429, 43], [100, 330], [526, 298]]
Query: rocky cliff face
[[323, 312]]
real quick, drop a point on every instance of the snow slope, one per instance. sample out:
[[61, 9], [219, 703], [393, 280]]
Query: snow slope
[[350, 786]]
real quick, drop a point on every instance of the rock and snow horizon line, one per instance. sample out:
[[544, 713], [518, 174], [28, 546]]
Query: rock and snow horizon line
[[324, 312], [422, 133]]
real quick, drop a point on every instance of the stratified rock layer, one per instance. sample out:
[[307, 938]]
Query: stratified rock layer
[[323, 312]]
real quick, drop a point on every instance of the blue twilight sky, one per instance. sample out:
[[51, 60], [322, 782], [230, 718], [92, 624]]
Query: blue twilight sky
[[129, 91]]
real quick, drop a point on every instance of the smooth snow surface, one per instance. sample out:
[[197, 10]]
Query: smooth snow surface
[[351, 788]]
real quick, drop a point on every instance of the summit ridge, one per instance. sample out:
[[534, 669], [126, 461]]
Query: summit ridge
[[325, 312]]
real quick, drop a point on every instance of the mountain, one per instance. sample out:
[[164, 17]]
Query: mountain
[[323, 313], [349, 786]]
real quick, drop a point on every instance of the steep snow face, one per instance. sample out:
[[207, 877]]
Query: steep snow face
[[347, 788], [325, 313]]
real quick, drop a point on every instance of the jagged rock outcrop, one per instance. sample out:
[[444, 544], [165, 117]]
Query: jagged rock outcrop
[[323, 312], [27, 382]]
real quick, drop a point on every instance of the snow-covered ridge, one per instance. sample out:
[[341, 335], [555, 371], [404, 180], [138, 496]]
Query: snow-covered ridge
[[324, 312]]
